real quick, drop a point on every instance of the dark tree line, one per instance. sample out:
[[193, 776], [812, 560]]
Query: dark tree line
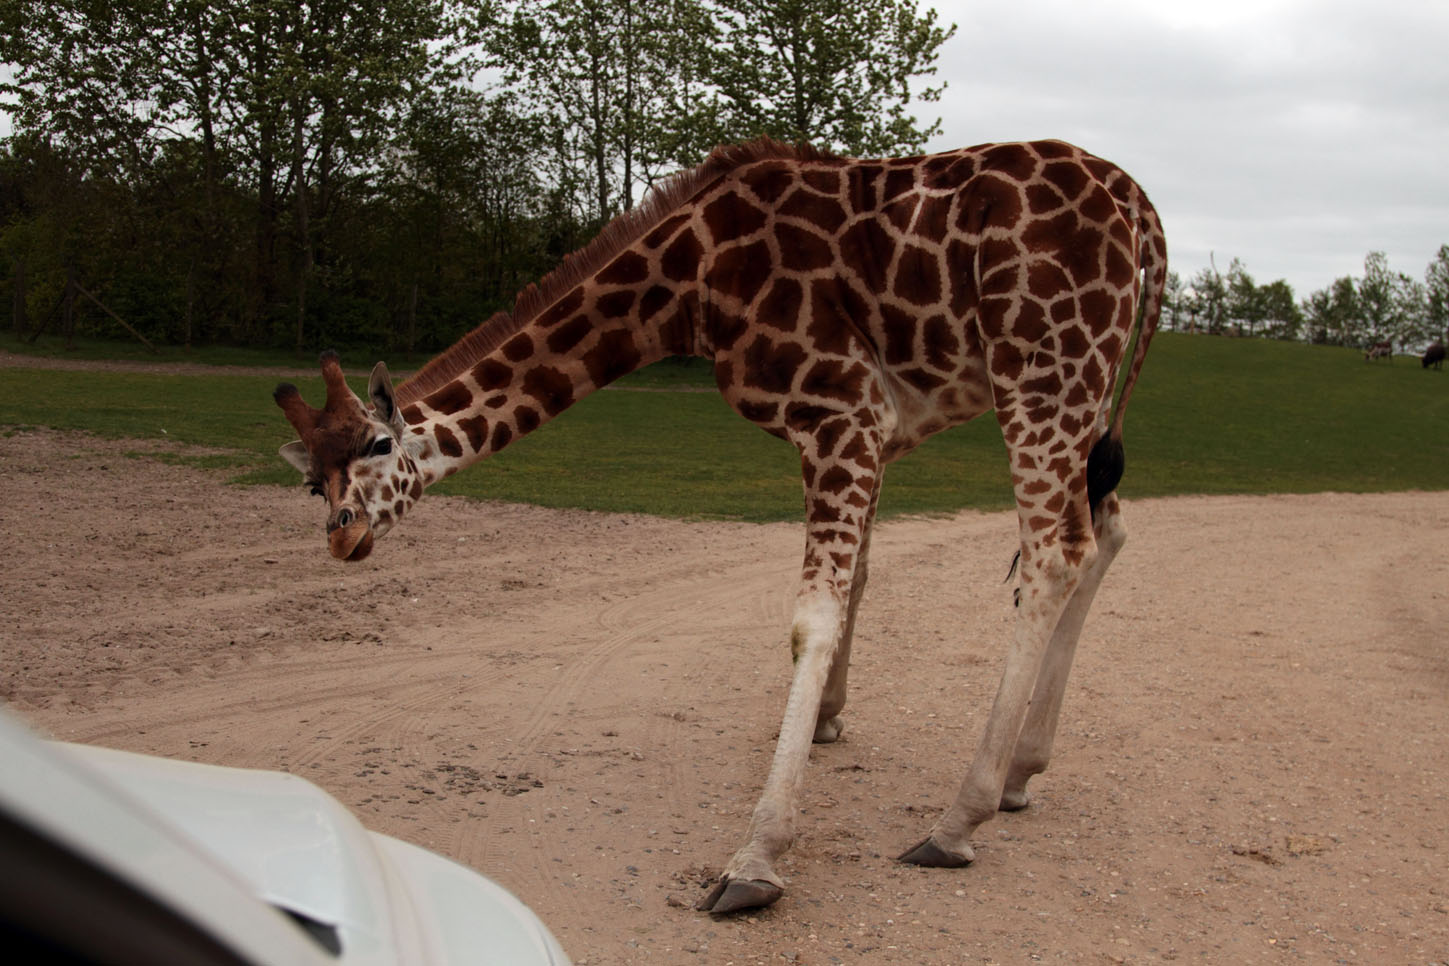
[[1380, 305], [389, 172]]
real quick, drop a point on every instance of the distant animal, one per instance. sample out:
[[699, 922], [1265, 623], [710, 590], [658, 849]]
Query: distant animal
[[1384, 349], [1434, 356]]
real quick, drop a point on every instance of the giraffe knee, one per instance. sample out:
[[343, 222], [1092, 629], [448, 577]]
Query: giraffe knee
[[1111, 531], [804, 643], [1052, 572], [816, 628]]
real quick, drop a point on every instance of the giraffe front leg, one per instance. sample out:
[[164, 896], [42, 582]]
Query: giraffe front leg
[[750, 880], [829, 725], [840, 493]]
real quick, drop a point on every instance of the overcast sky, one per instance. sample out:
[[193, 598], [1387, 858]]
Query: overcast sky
[[1296, 135]]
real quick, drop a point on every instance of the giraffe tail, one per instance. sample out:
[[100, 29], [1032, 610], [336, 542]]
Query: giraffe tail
[[1105, 465], [1107, 460]]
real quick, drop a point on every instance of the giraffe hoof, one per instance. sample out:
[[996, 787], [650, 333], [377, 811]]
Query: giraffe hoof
[[928, 853], [731, 895], [828, 731], [1014, 801]]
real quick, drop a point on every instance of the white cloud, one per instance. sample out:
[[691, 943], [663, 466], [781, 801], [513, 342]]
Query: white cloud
[[1296, 136]]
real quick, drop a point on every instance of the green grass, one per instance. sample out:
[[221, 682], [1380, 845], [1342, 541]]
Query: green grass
[[1211, 415], [1215, 415], [49, 346]]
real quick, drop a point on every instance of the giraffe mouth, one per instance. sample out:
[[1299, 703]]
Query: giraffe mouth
[[352, 542]]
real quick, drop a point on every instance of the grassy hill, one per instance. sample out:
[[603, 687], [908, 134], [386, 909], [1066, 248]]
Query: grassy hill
[[1211, 415]]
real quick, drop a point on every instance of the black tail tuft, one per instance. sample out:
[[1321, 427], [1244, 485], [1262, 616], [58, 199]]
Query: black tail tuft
[[1104, 469], [1016, 593]]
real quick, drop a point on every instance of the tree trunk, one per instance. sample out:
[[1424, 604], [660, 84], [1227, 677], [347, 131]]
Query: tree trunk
[[190, 302], [266, 232], [630, 121], [18, 316], [413, 318], [599, 123], [601, 161], [208, 131], [304, 244], [205, 248], [264, 288], [67, 308]]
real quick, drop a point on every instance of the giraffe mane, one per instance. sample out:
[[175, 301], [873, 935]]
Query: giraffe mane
[[623, 231]]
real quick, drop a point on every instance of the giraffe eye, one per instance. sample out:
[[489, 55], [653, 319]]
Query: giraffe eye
[[381, 447], [316, 490]]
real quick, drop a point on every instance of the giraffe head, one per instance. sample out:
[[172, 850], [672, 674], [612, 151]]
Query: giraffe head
[[354, 456]]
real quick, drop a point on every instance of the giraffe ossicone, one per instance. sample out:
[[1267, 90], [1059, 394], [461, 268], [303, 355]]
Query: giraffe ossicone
[[359, 458], [854, 308]]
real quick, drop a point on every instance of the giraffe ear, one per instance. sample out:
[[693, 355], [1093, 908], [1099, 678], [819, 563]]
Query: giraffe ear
[[379, 387], [296, 454]]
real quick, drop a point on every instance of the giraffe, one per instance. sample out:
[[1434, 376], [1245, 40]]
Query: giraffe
[[853, 308]]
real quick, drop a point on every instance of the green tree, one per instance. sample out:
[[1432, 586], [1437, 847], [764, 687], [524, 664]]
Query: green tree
[[1436, 297], [1395, 305], [1282, 317], [1333, 315], [1207, 301], [1411, 311], [288, 102], [77, 85], [1244, 308], [340, 73], [47, 206], [685, 119], [836, 73], [131, 92], [1377, 298], [457, 214], [618, 82], [1261, 310], [1174, 303]]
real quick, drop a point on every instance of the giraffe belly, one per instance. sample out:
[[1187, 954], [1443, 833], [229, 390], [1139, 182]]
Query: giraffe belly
[[922, 412]]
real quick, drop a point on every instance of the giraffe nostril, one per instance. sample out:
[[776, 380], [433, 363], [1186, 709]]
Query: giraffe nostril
[[344, 517]]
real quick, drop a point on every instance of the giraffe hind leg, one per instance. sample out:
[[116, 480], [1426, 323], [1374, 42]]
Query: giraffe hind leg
[[1034, 747], [1059, 551], [1049, 579]]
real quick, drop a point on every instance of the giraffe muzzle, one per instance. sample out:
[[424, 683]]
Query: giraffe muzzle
[[351, 539]]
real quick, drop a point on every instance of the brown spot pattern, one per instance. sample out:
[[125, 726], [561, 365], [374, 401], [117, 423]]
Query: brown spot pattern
[[851, 307]]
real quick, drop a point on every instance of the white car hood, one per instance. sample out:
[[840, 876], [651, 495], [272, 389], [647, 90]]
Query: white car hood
[[185, 830], [299, 849]]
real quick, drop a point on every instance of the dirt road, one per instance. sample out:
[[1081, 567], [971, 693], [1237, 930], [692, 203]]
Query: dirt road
[[1253, 765]]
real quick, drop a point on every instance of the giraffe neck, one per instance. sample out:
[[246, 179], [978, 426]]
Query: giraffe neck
[[632, 312], [634, 295]]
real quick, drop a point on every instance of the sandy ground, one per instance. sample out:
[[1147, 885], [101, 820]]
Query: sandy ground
[[1253, 765]]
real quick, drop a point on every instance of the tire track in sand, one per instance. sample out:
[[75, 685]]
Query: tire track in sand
[[687, 619]]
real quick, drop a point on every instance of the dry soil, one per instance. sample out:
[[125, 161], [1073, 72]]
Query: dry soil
[[1252, 766]]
